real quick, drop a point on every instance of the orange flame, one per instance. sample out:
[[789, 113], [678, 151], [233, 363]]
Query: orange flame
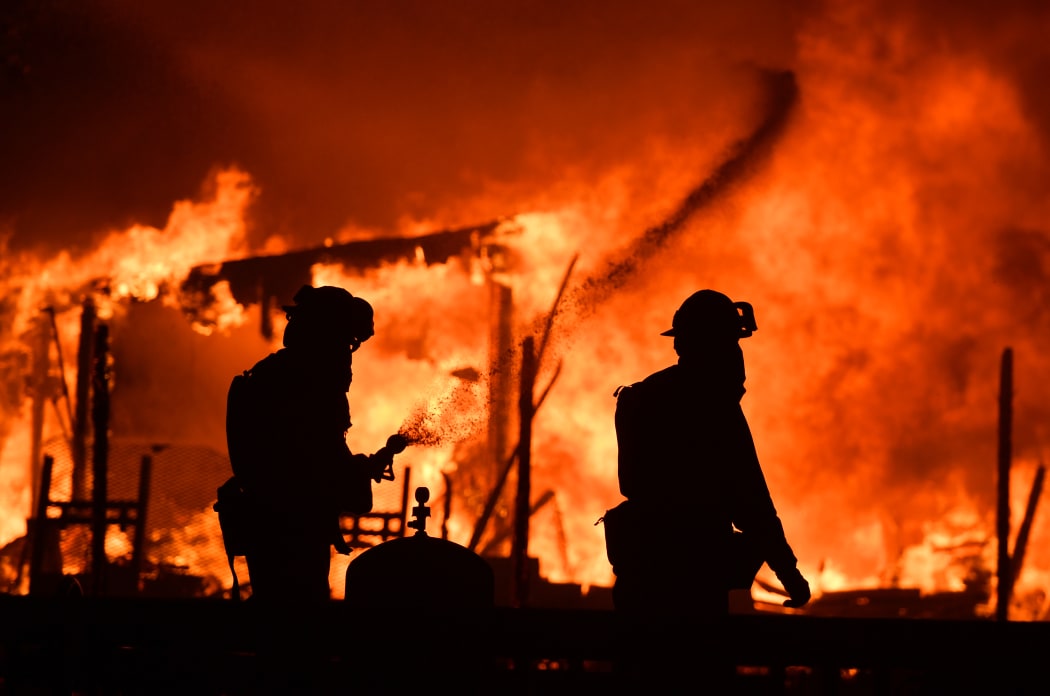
[[893, 239]]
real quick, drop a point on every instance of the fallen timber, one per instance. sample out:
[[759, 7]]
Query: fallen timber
[[202, 646]]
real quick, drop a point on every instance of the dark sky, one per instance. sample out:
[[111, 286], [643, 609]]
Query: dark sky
[[365, 112]]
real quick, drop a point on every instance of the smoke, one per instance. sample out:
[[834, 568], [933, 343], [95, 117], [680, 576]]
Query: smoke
[[745, 156], [364, 115], [359, 115]]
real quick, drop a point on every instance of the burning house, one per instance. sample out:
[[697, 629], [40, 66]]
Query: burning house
[[880, 202], [449, 387]]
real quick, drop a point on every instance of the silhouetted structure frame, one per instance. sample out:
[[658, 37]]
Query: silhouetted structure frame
[[358, 532]]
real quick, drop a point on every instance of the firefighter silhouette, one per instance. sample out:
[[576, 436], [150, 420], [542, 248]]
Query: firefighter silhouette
[[688, 467], [287, 420]]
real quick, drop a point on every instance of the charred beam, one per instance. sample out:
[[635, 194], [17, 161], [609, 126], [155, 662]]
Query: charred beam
[[447, 510], [497, 490], [37, 532], [139, 543], [61, 363], [490, 505], [520, 543], [83, 397], [1021, 545], [501, 399], [100, 459], [41, 368]]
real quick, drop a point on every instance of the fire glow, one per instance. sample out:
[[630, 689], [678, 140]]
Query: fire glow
[[886, 279]]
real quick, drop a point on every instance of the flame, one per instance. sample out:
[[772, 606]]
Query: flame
[[141, 264], [890, 230]]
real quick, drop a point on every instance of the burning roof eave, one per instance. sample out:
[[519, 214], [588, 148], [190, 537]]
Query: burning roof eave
[[274, 279]]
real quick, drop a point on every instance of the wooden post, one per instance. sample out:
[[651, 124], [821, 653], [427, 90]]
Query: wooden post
[[499, 369], [138, 548], [37, 532], [83, 398], [446, 512], [1002, 520], [100, 456], [520, 542], [406, 477]]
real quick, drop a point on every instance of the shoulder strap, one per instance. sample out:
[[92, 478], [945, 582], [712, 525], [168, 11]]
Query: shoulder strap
[[235, 590]]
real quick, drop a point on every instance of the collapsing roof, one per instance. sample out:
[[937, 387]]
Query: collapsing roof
[[274, 279]]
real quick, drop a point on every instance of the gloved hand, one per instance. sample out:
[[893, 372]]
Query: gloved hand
[[796, 587], [383, 459]]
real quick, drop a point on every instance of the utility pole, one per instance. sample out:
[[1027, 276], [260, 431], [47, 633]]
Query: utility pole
[[1004, 577]]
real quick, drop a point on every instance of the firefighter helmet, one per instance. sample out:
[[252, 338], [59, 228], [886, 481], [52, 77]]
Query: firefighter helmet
[[328, 314], [709, 312]]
